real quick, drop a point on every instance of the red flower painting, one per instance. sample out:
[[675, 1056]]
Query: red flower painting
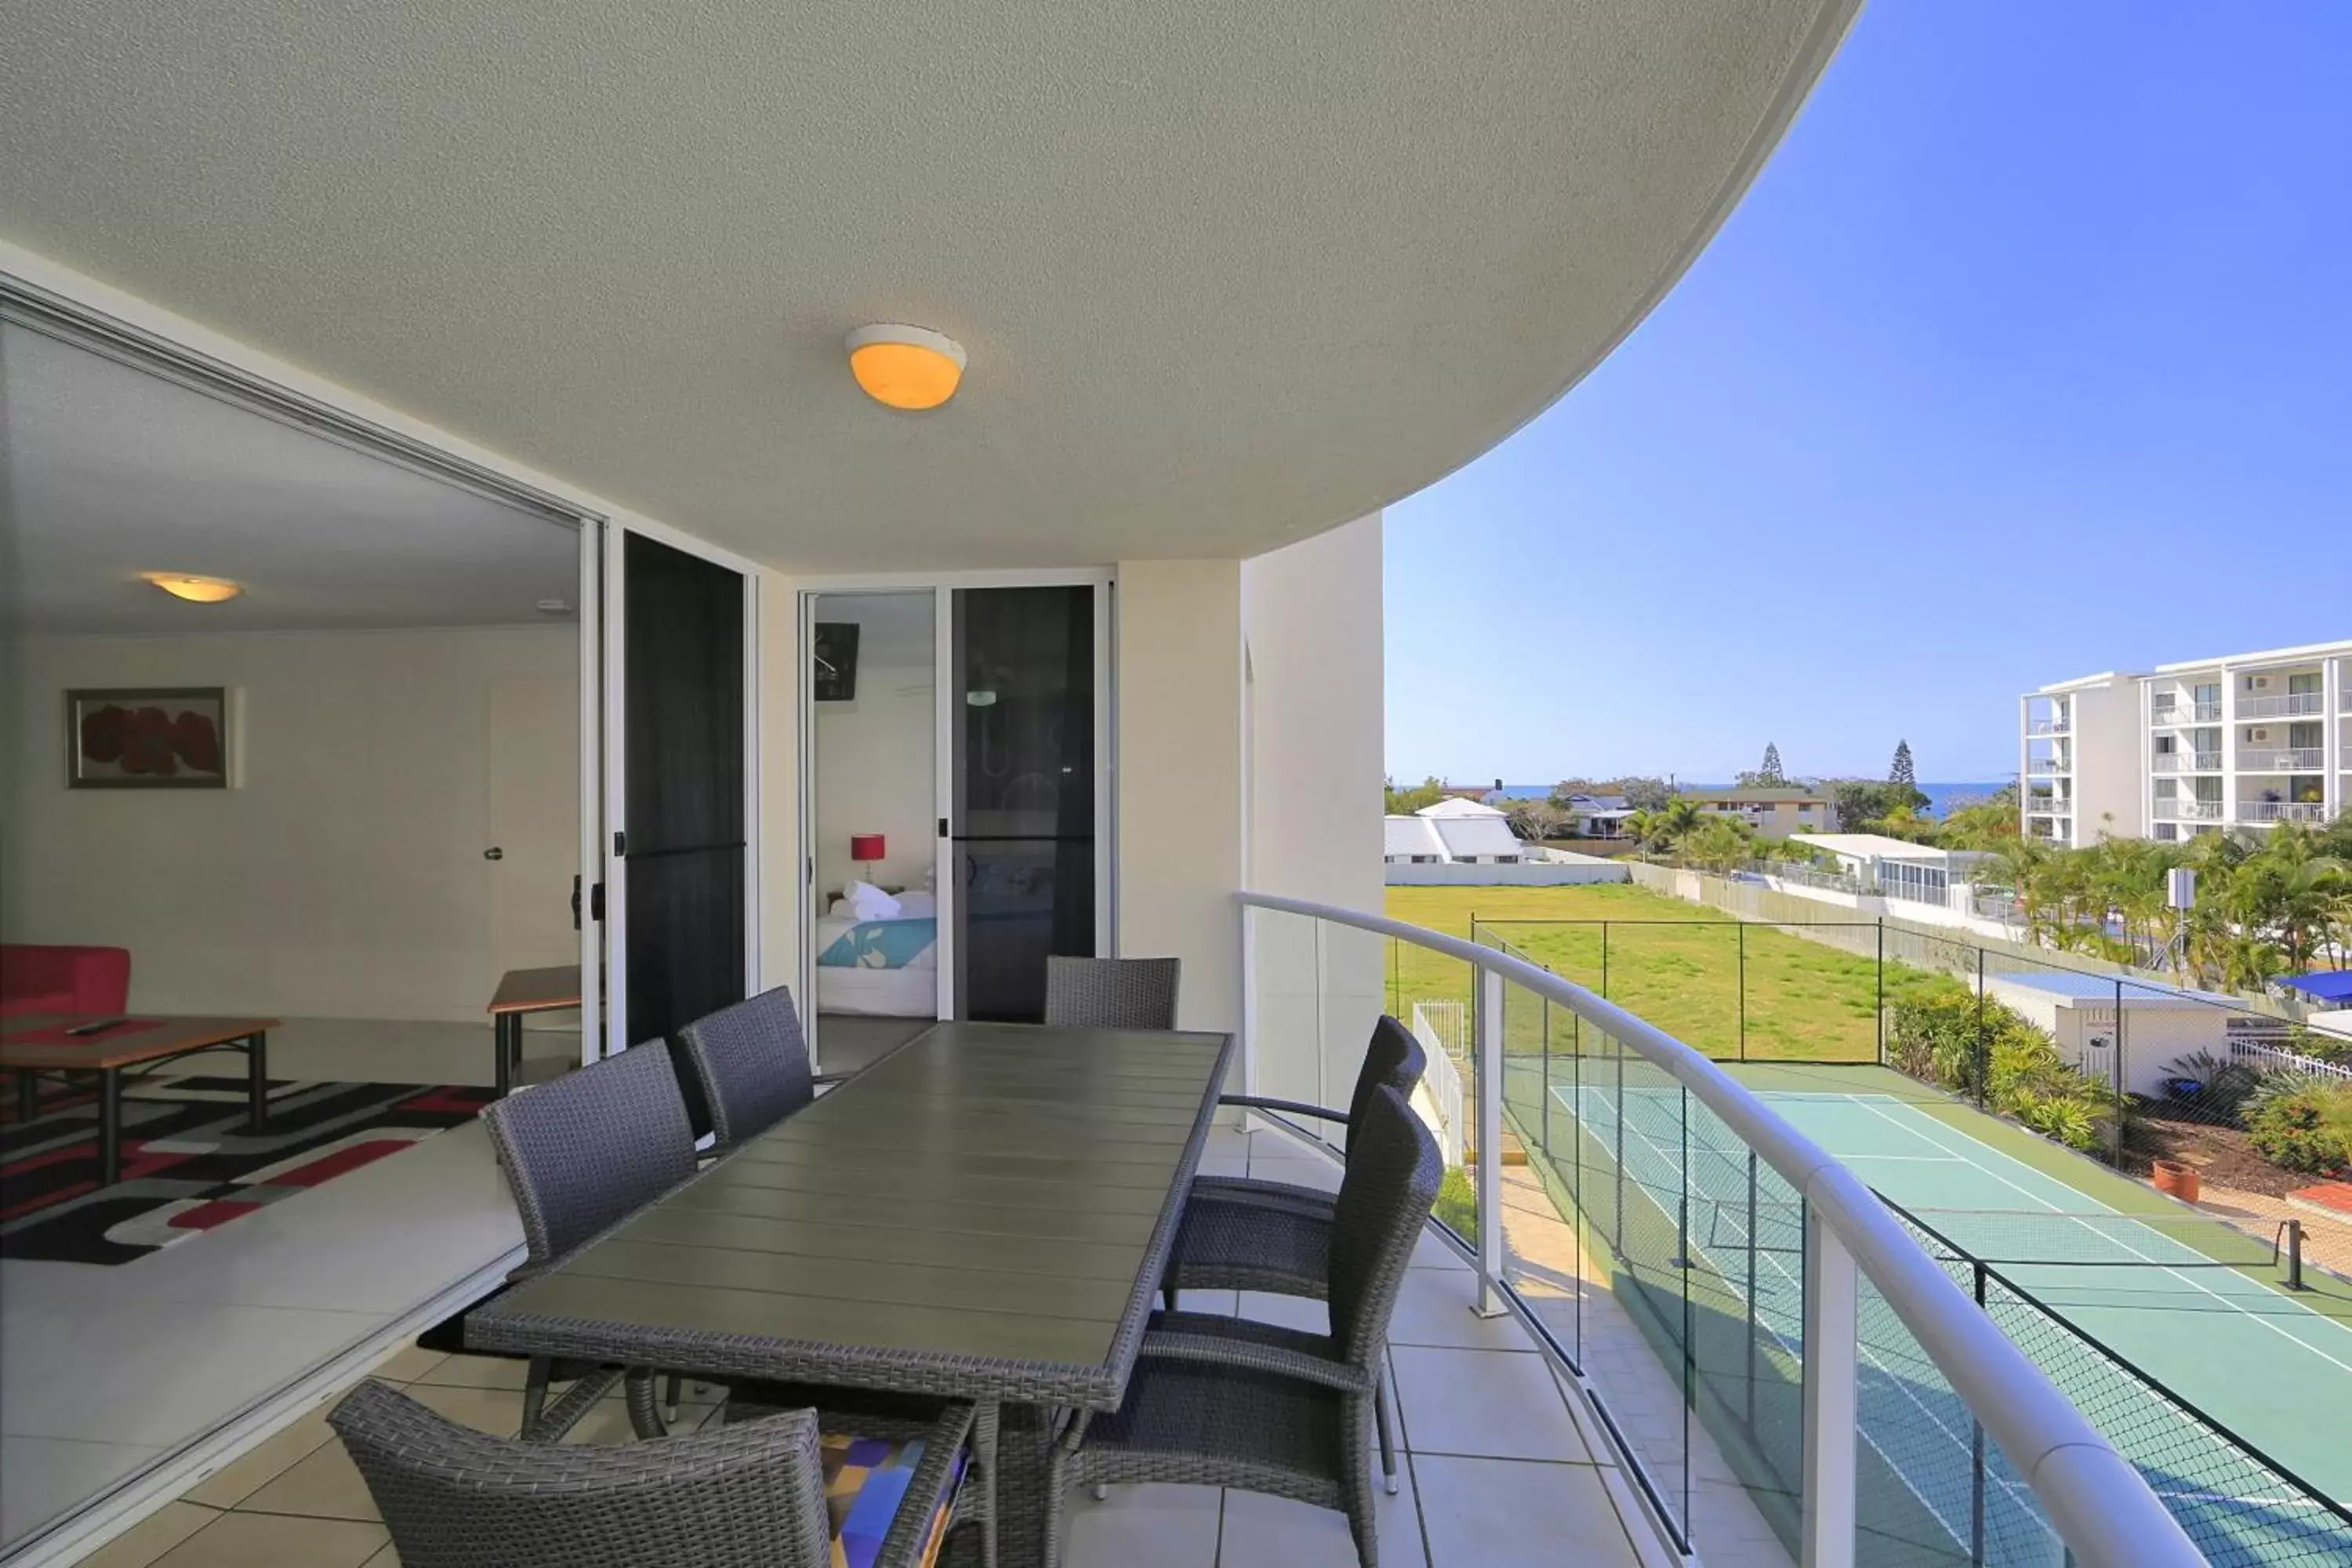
[[151, 738]]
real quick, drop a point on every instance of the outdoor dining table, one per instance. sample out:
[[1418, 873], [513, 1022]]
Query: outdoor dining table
[[984, 1214]]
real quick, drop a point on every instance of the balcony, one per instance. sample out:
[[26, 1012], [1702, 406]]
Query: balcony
[[2269, 811], [2188, 811], [2278, 705], [2208, 713], [2049, 805], [2047, 765], [2058, 726], [2186, 762], [2278, 759]]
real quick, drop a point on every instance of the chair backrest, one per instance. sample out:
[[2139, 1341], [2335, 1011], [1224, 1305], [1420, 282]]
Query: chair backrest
[[1112, 993], [1394, 1058], [737, 1496], [583, 1150], [1392, 1181], [750, 1063]]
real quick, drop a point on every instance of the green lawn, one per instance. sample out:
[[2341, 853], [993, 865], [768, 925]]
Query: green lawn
[[1727, 989]]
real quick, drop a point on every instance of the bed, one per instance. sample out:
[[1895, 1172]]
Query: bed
[[885, 968]]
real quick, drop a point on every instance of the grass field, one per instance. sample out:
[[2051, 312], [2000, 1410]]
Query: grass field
[[1733, 991]]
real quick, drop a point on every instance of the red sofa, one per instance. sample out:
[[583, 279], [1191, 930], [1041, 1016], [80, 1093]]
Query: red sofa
[[36, 979]]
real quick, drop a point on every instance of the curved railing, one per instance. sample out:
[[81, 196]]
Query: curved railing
[[2095, 1501]]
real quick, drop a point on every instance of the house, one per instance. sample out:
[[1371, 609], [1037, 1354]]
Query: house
[[1452, 832], [1894, 868], [1600, 815], [2247, 740], [1773, 812], [594, 373]]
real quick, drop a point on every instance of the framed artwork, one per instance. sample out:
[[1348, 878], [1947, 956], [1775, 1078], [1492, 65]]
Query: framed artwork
[[835, 679], [148, 737]]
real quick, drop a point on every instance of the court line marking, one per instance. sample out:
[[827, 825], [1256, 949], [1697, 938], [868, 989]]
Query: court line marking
[[2014, 1489], [2185, 1279]]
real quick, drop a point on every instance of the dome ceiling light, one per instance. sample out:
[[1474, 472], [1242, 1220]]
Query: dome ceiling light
[[905, 367], [196, 590]]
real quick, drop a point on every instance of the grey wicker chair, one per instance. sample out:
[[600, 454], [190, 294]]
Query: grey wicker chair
[[1244, 1234], [748, 1065], [1112, 993], [750, 1495], [580, 1154], [1225, 1402]]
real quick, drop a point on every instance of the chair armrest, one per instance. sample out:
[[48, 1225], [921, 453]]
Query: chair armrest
[[1285, 1107], [910, 1528], [1252, 1191], [1251, 1347]]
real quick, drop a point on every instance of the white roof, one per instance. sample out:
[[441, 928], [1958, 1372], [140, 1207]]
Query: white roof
[[1484, 836], [2082, 682], [2307, 651], [1870, 847], [1409, 836], [1456, 806]]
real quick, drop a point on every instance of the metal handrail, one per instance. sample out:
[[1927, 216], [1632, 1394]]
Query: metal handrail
[[2098, 1503]]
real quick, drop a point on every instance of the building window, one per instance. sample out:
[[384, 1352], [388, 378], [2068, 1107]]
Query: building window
[[2167, 832]]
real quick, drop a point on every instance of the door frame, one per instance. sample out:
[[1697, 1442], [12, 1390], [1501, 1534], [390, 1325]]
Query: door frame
[[942, 585], [612, 776]]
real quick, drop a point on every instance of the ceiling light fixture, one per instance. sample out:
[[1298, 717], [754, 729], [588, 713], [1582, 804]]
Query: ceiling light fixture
[[905, 367], [196, 590]]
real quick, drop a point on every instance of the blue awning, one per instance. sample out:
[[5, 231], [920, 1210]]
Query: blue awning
[[2328, 985]]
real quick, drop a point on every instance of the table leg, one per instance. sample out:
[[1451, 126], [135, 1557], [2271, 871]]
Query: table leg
[[1024, 1455], [110, 1126], [257, 1083], [503, 1027]]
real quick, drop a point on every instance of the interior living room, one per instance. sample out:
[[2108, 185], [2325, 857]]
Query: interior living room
[[294, 751]]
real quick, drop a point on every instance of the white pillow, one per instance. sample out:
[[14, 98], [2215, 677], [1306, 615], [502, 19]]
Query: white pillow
[[917, 905], [869, 902]]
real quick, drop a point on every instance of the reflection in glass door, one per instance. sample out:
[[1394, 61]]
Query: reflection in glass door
[[1021, 822]]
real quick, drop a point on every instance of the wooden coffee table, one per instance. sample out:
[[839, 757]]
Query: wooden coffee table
[[40, 1043], [521, 991]]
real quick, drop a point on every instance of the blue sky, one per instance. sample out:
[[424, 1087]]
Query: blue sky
[[2028, 355]]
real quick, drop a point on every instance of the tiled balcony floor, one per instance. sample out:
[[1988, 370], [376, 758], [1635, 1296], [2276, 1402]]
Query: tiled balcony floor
[[1495, 1466]]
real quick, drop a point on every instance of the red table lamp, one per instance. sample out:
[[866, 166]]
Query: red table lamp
[[865, 848]]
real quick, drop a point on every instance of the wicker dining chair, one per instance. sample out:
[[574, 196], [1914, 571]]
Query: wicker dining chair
[[1242, 1233], [1112, 993], [1228, 1402], [747, 1065], [749, 1495], [580, 1154]]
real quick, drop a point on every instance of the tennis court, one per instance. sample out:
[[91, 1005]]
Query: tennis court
[[2184, 1300]]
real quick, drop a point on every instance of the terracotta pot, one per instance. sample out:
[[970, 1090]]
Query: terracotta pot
[[2181, 1181]]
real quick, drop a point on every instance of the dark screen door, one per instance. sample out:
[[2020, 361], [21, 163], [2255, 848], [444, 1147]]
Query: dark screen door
[[1022, 822], [683, 786]]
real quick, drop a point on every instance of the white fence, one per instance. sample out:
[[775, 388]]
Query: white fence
[[1439, 1098], [2277, 1059]]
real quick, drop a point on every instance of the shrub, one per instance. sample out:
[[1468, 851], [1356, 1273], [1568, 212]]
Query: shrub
[[1457, 1203], [2228, 1084], [2301, 1122], [1939, 1032]]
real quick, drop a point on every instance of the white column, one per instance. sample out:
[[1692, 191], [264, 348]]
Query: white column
[[1489, 1054], [1832, 1327]]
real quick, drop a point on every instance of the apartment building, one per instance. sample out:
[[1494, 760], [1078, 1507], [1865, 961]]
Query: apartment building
[[2246, 741], [1773, 812]]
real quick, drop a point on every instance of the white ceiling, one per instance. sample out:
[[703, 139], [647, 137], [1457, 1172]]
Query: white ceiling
[[107, 471], [1229, 272]]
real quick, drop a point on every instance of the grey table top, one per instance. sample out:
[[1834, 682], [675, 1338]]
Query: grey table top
[[985, 1212]]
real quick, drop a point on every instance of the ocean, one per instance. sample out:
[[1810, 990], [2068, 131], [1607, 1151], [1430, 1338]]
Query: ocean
[[1941, 796]]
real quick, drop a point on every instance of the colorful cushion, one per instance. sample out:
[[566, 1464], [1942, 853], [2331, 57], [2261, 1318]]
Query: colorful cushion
[[865, 1479]]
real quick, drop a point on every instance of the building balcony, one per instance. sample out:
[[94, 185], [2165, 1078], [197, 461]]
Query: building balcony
[[2059, 726], [2269, 811], [2047, 765], [2188, 811], [2281, 759], [2186, 762], [2282, 705], [2049, 805]]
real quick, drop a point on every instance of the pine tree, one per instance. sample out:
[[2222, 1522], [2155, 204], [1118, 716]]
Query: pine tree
[[1770, 770], [1900, 773]]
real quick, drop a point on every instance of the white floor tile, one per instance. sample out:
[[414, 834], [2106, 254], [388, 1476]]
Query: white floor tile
[[44, 1478], [144, 1542], [1320, 1174], [1482, 1513], [1143, 1527], [1489, 1404], [1435, 1308], [1273, 1532]]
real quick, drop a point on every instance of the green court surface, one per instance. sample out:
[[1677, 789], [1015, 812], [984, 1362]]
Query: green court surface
[[2198, 1307]]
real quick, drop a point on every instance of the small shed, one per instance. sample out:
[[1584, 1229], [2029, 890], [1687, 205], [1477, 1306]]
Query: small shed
[[2160, 1023]]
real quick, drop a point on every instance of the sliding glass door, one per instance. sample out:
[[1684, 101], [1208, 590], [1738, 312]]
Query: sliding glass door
[[1022, 823]]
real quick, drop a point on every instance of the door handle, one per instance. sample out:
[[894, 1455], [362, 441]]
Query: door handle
[[493, 853], [575, 904]]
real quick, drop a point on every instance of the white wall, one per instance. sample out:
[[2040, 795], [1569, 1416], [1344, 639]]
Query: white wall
[[344, 875], [1179, 777], [1316, 716]]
